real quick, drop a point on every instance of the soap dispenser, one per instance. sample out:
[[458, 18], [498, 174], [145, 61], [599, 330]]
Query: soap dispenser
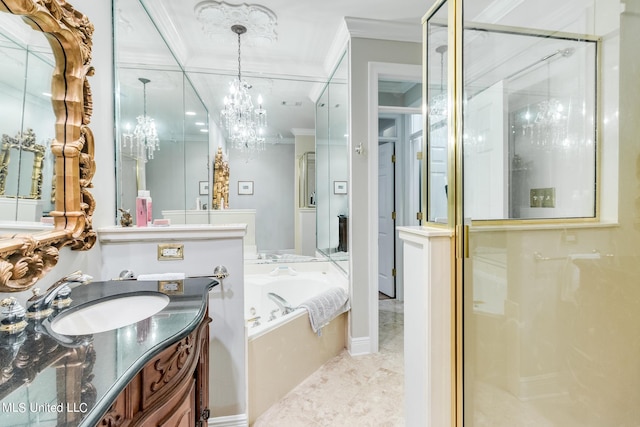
[[142, 218]]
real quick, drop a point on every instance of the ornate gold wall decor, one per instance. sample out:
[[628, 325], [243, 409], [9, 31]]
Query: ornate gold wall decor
[[220, 181], [26, 258], [25, 142]]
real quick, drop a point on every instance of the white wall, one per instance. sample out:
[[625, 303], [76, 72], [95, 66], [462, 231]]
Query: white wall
[[174, 173], [273, 193]]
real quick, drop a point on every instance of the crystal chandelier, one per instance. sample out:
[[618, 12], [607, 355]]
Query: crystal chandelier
[[143, 142], [439, 104], [245, 125]]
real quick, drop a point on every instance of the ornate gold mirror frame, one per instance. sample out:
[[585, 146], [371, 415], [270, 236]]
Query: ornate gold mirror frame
[[24, 258], [23, 142]]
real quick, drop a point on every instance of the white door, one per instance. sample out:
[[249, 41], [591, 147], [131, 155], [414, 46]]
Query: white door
[[438, 170], [386, 221], [485, 155]]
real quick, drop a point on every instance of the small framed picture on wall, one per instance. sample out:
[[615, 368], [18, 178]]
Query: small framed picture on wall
[[204, 188], [339, 187], [245, 187]]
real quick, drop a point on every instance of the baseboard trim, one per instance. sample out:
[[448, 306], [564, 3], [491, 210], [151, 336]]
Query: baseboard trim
[[240, 420], [359, 346]]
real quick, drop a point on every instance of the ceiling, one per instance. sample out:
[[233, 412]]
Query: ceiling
[[291, 47], [292, 59], [288, 65]]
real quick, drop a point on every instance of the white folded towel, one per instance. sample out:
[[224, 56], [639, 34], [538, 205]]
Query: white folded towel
[[161, 276], [325, 306]]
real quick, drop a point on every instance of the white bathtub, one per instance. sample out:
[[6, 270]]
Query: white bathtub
[[284, 351], [295, 289]]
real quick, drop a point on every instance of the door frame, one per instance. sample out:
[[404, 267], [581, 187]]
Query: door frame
[[377, 71]]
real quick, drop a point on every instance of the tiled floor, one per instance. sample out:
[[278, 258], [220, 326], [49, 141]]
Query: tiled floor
[[351, 391]]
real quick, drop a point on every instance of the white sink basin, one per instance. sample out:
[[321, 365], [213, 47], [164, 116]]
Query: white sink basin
[[105, 315]]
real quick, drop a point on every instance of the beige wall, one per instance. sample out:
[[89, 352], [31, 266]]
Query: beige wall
[[569, 330]]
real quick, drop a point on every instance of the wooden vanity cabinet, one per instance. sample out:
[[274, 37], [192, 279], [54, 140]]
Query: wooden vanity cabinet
[[171, 390]]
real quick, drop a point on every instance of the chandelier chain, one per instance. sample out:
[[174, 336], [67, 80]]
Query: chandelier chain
[[239, 62], [144, 99]]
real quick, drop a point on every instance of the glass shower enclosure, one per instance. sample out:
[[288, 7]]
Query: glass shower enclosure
[[530, 157]]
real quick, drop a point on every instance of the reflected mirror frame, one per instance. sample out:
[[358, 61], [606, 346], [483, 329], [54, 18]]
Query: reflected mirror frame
[[25, 258], [425, 216]]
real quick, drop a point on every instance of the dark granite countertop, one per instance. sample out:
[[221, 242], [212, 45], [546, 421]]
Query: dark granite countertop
[[50, 380]]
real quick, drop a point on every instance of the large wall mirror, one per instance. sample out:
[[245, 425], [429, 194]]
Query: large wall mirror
[[27, 123], [185, 102], [332, 168], [46, 152], [152, 86]]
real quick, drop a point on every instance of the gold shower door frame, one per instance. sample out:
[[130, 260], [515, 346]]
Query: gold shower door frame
[[455, 199]]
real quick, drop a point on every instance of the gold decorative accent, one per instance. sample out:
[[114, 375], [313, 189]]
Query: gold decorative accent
[[171, 287], [14, 328], [24, 142], [170, 251], [220, 181], [26, 258], [126, 220]]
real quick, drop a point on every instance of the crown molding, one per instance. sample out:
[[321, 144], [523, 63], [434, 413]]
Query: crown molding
[[384, 30], [338, 47], [167, 29]]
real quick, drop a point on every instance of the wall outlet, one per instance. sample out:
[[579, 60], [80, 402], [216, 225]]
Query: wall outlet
[[170, 252], [569, 237], [542, 197]]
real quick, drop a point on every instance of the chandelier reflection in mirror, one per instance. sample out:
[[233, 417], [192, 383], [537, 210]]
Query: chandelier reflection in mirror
[[439, 103], [245, 125], [143, 142]]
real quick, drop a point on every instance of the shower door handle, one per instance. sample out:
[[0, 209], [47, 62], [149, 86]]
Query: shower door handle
[[462, 244]]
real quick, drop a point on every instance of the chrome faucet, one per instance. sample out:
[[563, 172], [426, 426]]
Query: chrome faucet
[[40, 305], [282, 303]]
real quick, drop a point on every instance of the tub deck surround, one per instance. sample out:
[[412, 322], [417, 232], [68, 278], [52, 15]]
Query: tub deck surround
[[284, 350], [74, 381], [281, 359]]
